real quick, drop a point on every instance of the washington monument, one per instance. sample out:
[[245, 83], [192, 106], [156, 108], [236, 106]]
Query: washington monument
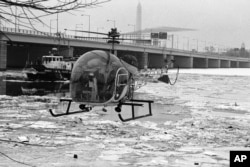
[[138, 17]]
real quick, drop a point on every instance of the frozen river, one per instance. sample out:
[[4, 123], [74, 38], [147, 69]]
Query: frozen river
[[196, 122]]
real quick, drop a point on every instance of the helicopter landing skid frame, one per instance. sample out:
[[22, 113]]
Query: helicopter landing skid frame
[[83, 109], [134, 102]]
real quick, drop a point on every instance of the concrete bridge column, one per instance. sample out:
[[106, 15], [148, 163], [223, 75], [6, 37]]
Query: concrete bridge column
[[234, 64], [3, 55], [225, 63], [143, 61], [200, 63], [244, 64], [2, 86], [155, 60], [213, 63], [183, 62]]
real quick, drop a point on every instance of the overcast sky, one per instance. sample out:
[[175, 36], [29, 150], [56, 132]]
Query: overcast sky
[[224, 22]]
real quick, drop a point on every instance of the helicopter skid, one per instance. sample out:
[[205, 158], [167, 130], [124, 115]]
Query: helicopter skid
[[85, 109], [132, 104]]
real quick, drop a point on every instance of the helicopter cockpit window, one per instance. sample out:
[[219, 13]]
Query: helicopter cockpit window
[[122, 79], [121, 84], [93, 78]]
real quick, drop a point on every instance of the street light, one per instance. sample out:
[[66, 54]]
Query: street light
[[197, 44], [89, 21], [78, 25], [65, 31], [50, 24], [57, 24], [131, 26], [16, 17], [187, 42], [18, 20], [111, 21], [205, 46], [97, 30]]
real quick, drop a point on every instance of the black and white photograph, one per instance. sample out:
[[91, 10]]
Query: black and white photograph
[[124, 83]]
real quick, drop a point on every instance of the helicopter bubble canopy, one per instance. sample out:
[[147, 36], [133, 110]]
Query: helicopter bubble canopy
[[99, 77]]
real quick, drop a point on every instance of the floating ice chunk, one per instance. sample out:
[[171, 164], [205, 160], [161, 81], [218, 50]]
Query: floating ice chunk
[[23, 138], [115, 154], [191, 149], [147, 124], [157, 137], [33, 106], [167, 123], [154, 162], [144, 146], [44, 124], [232, 107], [109, 157], [5, 97], [102, 122], [211, 153]]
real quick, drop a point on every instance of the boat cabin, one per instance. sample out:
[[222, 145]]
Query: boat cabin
[[56, 62]]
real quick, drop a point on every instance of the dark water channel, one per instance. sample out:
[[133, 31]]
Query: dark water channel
[[18, 87]]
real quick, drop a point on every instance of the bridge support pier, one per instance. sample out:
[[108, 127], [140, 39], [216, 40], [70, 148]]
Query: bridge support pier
[[244, 64], [200, 63], [3, 55], [213, 63], [225, 63], [234, 64], [143, 61], [183, 62], [3, 87]]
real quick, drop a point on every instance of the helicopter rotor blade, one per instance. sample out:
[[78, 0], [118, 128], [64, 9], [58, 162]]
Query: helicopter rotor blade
[[92, 32], [85, 37]]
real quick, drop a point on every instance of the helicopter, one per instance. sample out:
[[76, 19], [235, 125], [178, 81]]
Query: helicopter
[[100, 78]]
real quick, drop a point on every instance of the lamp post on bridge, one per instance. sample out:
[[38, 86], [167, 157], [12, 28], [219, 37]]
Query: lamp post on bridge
[[78, 25], [97, 30], [197, 44], [57, 24], [205, 46], [111, 21], [89, 21], [18, 21], [132, 25], [50, 24], [187, 42]]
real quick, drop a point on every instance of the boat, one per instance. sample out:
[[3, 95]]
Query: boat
[[52, 67]]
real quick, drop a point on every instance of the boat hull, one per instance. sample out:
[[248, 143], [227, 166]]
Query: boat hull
[[49, 75]]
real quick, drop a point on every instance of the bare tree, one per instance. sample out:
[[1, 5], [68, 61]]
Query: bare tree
[[32, 11]]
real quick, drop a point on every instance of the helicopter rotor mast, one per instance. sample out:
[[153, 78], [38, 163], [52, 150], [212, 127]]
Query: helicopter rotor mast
[[113, 34]]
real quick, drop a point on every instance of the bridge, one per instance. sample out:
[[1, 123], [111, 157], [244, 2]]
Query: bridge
[[18, 46]]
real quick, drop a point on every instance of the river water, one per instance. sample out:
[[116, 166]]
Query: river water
[[195, 122]]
